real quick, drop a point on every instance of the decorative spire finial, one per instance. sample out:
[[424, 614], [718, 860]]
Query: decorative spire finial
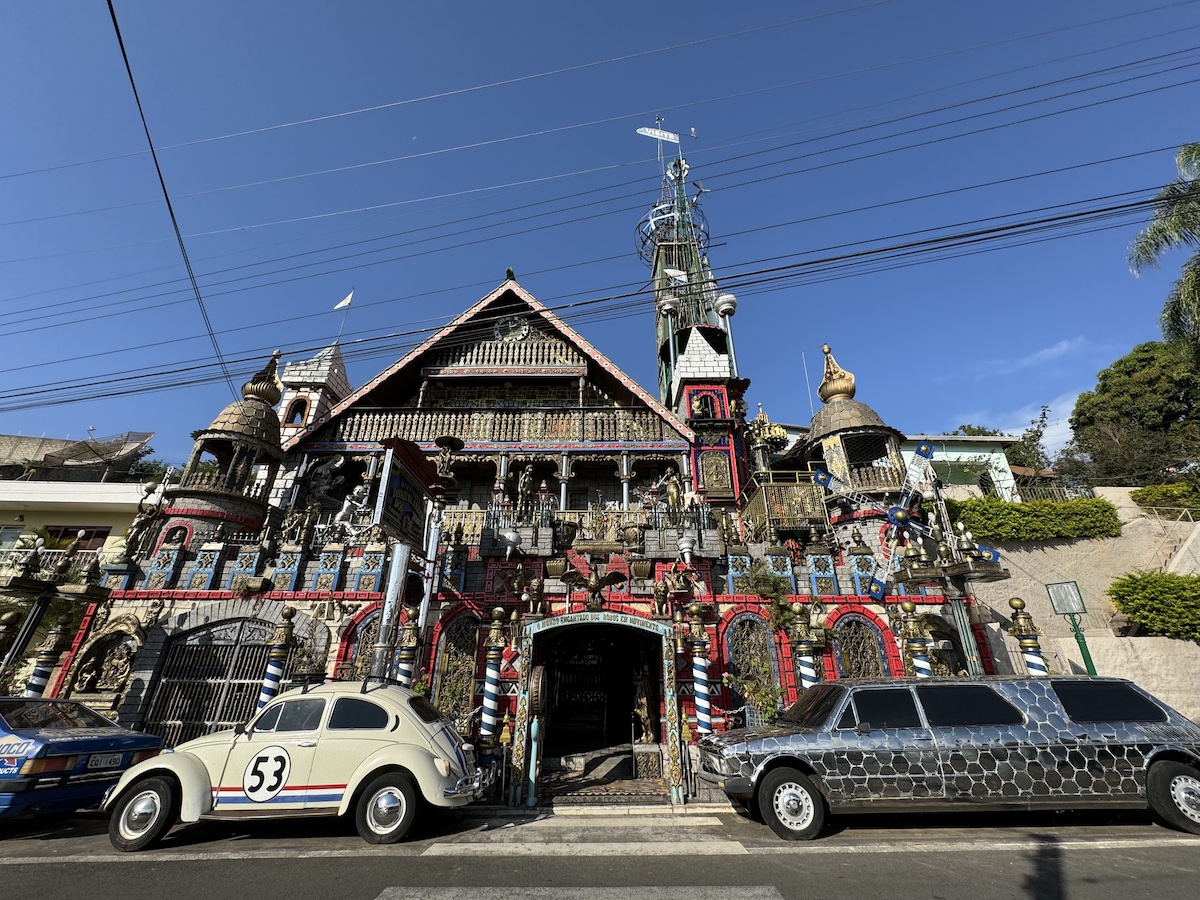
[[837, 383], [265, 385]]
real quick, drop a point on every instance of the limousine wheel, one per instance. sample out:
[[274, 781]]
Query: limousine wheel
[[1173, 789], [791, 805]]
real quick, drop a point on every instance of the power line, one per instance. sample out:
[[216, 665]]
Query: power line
[[753, 277], [170, 210]]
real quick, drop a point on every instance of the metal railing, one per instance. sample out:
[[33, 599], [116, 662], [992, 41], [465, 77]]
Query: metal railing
[[12, 559]]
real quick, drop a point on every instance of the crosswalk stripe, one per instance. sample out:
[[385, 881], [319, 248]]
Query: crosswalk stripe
[[642, 892], [590, 848]]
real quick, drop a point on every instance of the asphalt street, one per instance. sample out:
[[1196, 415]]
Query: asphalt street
[[611, 853]]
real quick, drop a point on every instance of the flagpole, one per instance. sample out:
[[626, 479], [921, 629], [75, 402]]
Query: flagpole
[[345, 304]]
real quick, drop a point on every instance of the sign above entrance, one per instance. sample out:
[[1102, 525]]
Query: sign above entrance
[[598, 618], [400, 506]]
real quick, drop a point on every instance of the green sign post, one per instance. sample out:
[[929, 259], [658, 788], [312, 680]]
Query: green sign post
[[1066, 600]]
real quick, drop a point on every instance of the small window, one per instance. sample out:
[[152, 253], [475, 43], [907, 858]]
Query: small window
[[300, 715], [426, 710], [1106, 701], [268, 720], [350, 712], [887, 708], [296, 412], [963, 705], [847, 721]]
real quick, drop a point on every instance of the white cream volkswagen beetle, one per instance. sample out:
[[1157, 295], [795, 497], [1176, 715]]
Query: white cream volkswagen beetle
[[368, 747]]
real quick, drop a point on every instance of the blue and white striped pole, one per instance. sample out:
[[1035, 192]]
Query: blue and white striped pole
[[490, 723], [805, 641], [1026, 634], [281, 646], [48, 656], [806, 664], [702, 692]]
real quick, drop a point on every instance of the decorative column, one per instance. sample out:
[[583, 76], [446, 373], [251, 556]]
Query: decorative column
[[491, 687], [916, 641], [805, 642], [1027, 633], [48, 656], [410, 642], [699, 641], [281, 646]]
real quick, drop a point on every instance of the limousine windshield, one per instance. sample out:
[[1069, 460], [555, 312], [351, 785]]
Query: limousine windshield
[[814, 706]]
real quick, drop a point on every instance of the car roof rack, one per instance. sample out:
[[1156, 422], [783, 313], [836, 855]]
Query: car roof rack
[[378, 679], [306, 681]]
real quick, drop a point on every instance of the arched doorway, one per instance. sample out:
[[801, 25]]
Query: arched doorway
[[594, 675], [593, 638]]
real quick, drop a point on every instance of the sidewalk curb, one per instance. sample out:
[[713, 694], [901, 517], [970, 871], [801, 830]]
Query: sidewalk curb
[[595, 809]]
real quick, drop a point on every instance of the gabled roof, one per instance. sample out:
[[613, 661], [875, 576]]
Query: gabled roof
[[509, 287]]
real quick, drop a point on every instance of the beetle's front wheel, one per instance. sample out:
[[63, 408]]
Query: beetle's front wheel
[[144, 814]]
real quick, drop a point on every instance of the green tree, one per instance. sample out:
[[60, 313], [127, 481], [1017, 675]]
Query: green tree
[[1141, 423], [1028, 450], [1176, 224], [977, 431]]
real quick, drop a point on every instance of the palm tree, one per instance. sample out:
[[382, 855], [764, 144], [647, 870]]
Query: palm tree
[[1176, 223]]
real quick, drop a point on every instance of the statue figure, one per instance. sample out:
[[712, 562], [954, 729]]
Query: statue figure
[[662, 601], [323, 478], [641, 697], [535, 591], [147, 517], [673, 487], [117, 668], [524, 498], [352, 507]]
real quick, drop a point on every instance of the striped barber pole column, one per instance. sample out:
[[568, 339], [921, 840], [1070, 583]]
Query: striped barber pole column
[[920, 659], [1031, 651], [48, 656], [807, 666], [490, 724], [276, 661], [406, 665], [281, 647], [700, 681]]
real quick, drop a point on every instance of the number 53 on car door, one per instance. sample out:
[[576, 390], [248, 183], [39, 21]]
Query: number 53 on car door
[[266, 774]]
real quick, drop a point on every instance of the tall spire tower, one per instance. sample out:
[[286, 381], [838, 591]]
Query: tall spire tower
[[697, 368]]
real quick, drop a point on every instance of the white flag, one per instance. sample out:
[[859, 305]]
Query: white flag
[[346, 302]]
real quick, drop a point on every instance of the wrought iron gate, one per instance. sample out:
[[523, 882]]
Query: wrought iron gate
[[210, 679]]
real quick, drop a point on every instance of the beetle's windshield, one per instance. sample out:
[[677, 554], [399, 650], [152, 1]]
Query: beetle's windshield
[[814, 706]]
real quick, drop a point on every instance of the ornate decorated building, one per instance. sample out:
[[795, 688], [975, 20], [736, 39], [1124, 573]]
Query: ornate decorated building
[[615, 566]]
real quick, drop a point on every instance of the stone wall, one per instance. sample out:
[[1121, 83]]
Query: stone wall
[[1168, 668]]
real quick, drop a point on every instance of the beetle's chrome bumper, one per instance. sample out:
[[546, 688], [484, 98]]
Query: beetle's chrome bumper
[[471, 786]]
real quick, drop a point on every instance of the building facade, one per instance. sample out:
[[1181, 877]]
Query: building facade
[[598, 565]]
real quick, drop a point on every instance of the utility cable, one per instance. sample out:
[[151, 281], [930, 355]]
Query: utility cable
[[170, 210]]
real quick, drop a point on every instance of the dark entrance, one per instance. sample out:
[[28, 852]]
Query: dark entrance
[[597, 677]]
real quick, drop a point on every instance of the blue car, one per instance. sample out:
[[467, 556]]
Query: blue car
[[59, 756]]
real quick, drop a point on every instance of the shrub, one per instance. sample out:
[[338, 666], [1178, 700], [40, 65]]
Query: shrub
[[1179, 495], [1161, 602], [990, 519]]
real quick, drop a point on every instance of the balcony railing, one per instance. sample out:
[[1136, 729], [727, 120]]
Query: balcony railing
[[486, 425], [787, 501], [11, 560]]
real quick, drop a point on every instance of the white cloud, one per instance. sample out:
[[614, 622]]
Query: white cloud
[[1058, 425], [1065, 347]]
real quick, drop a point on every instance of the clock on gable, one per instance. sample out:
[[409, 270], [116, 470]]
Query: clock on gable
[[512, 328]]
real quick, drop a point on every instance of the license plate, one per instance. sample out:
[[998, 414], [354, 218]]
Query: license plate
[[104, 760]]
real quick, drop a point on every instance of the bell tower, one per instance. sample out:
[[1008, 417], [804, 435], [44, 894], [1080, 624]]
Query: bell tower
[[697, 367]]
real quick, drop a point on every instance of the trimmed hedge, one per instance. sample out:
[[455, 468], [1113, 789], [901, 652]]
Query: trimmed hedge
[[1161, 602], [989, 519], [1179, 495]]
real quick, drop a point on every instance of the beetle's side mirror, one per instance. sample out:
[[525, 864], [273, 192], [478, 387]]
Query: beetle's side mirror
[[239, 728], [863, 728]]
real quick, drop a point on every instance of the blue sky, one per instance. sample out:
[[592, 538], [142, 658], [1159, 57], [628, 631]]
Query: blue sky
[[414, 151]]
